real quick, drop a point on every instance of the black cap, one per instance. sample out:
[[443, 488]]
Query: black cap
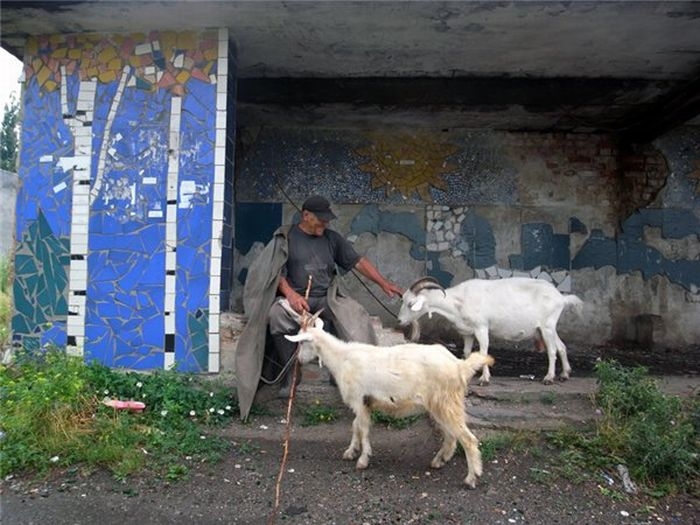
[[320, 207]]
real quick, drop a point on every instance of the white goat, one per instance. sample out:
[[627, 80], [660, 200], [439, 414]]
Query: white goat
[[400, 380], [512, 309]]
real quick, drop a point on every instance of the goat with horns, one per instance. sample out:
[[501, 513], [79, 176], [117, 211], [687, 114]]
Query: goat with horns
[[512, 309]]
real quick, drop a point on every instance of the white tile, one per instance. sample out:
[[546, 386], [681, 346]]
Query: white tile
[[214, 304], [169, 302], [213, 360], [170, 323], [222, 66], [142, 49], [218, 195], [75, 324], [218, 211], [220, 155], [215, 265], [168, 360], [219, 174], [221, 137], [221, 100], [215, 284], [223, 48], [170, 260], [220, 123]]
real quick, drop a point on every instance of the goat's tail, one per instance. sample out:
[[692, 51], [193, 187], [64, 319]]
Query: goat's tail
[[475, 362], [574, 302]]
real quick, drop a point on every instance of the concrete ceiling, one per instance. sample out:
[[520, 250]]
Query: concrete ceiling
[[627, 67]]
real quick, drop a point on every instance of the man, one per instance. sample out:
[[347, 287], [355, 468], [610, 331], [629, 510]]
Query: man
[[274, 293]]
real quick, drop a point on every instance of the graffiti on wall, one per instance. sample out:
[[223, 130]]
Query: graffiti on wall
[[123, 182]]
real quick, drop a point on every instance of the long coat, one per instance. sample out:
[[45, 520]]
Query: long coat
[[352, 321]]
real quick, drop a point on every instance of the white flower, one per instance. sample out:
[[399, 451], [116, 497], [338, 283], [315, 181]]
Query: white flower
[[220, 412], [106, 392], [211, 394], [163, 413], [193, 413], [139, 384], [228, 407], [202, 437], [54, 459], [211, 410]]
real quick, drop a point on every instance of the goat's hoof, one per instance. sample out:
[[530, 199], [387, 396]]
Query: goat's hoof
[[484, 382], [470, 481], [350, 454], [437, 463], [362, 464], [563, 378], [547, 381]]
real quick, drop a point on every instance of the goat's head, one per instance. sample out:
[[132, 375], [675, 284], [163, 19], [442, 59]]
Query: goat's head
[[413, 304], [305, 337]]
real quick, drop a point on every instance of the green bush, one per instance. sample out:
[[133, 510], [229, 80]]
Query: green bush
[[51, 414], [652, 433], [655, 435]]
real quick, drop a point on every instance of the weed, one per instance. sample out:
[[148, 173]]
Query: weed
[[491, 445], [247, 447], [52, 416], [654, 434], [317, 413], [548, 398], [540, 475], [393, 422]]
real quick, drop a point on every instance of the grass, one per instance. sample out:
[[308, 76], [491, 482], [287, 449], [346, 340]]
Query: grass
[[653, 434], [52, 416], [393, 422], [317, 414]]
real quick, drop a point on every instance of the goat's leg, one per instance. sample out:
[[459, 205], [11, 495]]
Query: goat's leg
[[355, 443], [471, 451], [360, 427], [550, 342], [482, 335], [565, 366], [447, 450], [454, 425]]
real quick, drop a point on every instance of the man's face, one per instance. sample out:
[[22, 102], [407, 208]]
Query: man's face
[[313, 225]]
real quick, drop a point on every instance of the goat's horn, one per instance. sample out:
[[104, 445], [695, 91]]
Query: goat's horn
[[426, 283], [310, 320], [414, 334]]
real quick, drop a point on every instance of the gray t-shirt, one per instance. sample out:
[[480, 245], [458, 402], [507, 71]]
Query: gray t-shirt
[[318, 257]]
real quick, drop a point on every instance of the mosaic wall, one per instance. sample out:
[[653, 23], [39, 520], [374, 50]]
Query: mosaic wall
[[501, 204], [123, 254]]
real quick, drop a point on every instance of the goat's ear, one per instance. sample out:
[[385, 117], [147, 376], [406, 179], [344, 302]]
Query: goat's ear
[[319, 323], [418, 303], [297, 338]]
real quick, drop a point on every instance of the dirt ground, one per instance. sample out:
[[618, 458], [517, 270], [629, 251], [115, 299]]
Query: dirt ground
[[520, 485]]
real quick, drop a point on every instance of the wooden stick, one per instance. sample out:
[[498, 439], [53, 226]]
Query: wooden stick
[[287, 429]]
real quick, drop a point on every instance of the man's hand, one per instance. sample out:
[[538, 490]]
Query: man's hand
[[297, 302], [392, 289], [367, 269]]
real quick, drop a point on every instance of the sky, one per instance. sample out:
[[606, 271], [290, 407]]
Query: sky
[[10, 69]]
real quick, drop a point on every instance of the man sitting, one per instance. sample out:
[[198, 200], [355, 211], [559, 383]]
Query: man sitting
[[275, 290]]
